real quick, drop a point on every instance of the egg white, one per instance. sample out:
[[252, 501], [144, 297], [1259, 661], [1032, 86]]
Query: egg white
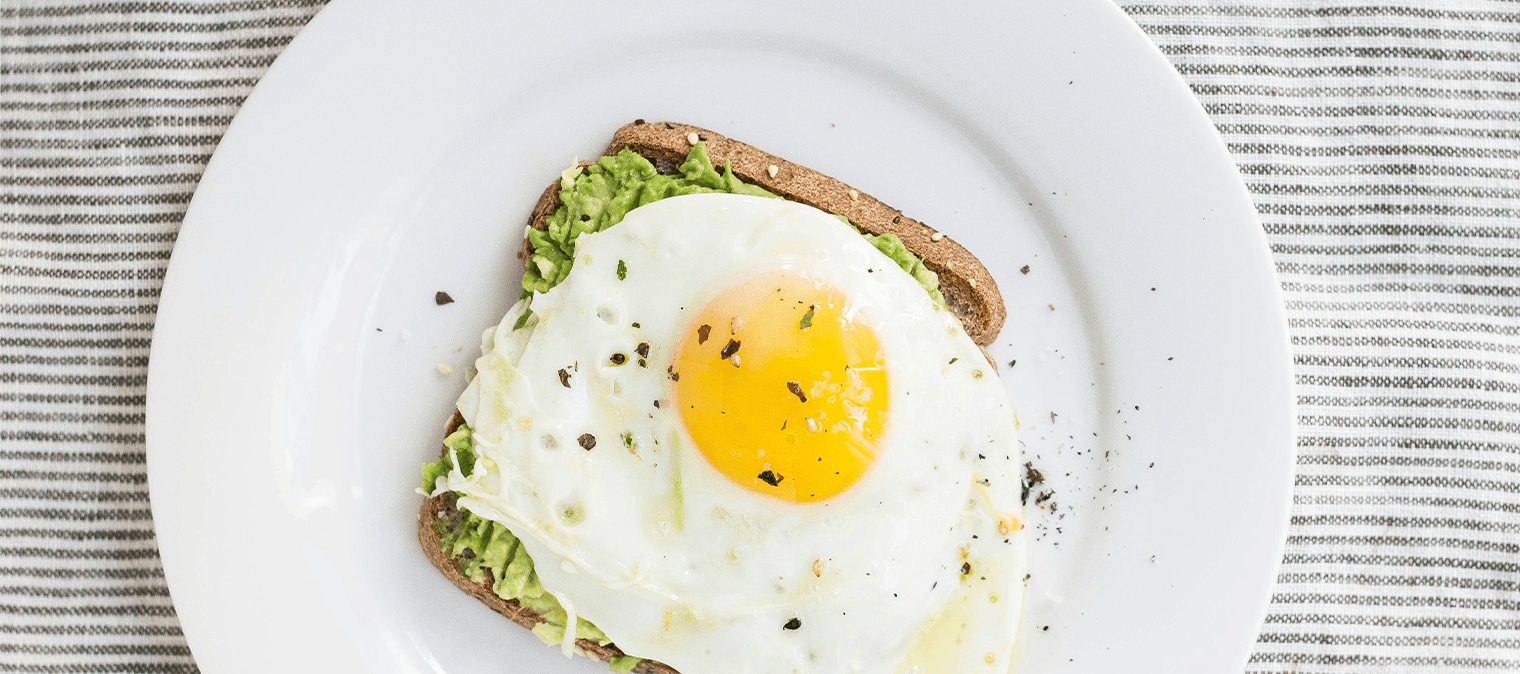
[[677, 563]]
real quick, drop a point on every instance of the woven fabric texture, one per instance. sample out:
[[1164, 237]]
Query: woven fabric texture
[[108, 114], [1381, 141]]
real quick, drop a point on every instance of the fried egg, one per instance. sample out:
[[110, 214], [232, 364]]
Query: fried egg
[[738, 438]]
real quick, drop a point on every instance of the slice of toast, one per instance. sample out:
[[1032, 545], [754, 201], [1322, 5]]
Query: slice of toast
[[970, 293]]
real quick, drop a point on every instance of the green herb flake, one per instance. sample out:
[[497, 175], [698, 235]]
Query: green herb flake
[[522, 320], [952, 360], [807, 318], [622, 271]]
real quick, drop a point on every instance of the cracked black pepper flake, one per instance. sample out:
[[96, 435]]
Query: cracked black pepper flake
[[807, 318], [702, 332], [643, 363], [796, 390], [585, 218], [674, 376], [792, 624], [638, 122], [657, 404], [642, 349], [965, 568], [729, 349], [668, 125], [622, 270], [587, 440], [770, 478], [619, 359], [1024, 269], [564, 378], [443, 298]]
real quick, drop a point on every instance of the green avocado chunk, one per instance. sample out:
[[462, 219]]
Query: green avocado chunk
[[893, 247], [458, 443], [620, 183]]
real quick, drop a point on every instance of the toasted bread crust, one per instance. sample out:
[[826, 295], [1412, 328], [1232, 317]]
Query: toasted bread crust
[[443, 506], [969, 290]]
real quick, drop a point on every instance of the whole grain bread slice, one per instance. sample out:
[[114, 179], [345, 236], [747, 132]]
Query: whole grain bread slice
[[969, 290]]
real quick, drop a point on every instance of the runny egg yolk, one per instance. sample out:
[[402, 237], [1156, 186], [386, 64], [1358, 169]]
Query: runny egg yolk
[[782, 387]]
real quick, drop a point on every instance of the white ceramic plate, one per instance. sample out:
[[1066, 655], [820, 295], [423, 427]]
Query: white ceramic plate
[[396, 147]]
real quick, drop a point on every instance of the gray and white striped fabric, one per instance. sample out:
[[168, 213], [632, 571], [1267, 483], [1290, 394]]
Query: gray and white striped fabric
[[109, 110], [1382, 144], [1381, 141]]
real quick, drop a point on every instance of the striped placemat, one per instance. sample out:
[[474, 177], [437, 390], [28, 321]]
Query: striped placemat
[[1381, 141]]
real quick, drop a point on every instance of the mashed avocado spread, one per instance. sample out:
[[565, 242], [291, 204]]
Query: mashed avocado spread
[[592, 202]]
